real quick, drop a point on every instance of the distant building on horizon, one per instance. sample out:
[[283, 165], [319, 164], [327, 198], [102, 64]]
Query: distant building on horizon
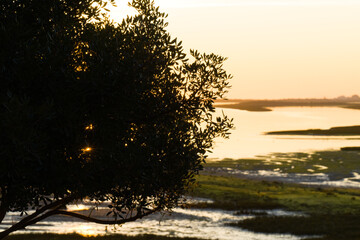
[[354, 97]]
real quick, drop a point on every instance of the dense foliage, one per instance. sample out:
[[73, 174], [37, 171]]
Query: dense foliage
[[97, 110]]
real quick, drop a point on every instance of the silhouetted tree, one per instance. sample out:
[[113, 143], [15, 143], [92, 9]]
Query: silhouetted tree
[[94, 110]]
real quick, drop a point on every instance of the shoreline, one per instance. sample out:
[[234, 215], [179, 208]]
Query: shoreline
[[319, 168], [307, 180], [334, 131], [266, 105]]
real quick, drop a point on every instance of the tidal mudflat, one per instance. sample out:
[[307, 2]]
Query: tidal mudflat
[[322, 187], [322, 168]]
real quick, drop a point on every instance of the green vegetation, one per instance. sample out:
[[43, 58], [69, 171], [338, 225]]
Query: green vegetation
[[79, 237], [328, 226], [237, 194], [328, 212], [335, 131], [338, 164], [331, 212], [350, 149]]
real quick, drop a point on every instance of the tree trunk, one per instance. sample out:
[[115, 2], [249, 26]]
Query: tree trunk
[[2, 214], [4, 234]]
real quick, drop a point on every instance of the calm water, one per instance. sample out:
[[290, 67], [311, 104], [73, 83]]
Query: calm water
[[248, 140], [199, 223]]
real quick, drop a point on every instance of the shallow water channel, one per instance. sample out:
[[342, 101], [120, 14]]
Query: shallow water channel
[[199, 223]]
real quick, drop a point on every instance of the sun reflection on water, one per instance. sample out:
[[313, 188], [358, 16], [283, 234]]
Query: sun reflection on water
[[197, 223], [86, 230]]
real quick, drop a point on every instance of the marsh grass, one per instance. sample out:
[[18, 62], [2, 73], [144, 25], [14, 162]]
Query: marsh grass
[[338, 164], [236, 194], [328, 226], [333, 213]]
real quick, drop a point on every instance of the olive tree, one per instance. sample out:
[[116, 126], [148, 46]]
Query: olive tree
[[95, 110]]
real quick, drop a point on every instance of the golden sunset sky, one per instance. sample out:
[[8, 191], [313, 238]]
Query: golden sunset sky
[[276, 48]]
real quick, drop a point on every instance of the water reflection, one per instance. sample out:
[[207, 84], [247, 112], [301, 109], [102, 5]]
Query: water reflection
[[199, 223], [247, 139]]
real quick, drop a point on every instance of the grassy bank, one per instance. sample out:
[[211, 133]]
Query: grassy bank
[[325, 226], [333, 213], [330, 213], [236, 194]]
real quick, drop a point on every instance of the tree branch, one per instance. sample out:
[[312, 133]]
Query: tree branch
[[38, 216], [3, 205], [31, 219], [100, 221], [2, 213]]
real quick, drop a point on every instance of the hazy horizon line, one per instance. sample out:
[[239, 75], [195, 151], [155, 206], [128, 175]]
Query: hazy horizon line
[[202, 4], [294, 98]]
